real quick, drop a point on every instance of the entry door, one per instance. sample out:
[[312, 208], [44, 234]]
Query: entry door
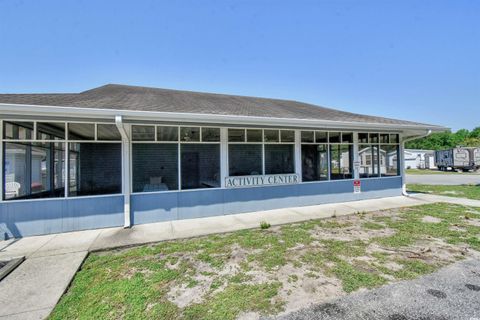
[[190, 170]]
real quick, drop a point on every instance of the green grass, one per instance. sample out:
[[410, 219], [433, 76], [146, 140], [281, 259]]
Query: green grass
[[463, 191], [134, 283]]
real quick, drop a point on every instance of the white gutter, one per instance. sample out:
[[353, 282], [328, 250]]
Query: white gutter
[[125, 170], [129, 115], [404, 184]]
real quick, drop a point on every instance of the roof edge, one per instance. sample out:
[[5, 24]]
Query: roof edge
[[59, 111]]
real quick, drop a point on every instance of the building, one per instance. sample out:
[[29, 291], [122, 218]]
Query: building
[[121, 155], [419, 159]]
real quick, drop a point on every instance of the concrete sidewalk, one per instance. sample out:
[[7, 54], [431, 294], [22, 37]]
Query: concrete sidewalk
[[32, 290]]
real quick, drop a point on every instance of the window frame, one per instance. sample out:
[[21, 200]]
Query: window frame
[[179, 143], [35, 138], [262, 143]]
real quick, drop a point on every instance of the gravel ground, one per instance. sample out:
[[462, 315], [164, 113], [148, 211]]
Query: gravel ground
[[451, 293], [443, 179]]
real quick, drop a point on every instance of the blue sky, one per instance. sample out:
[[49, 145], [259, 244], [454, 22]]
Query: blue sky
[[416, 60]]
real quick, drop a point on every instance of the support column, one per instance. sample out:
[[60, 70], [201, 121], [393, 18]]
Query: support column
[[298, 154], [223, 156], [401, 158], [356, 159], [2, 170], [126, 172]]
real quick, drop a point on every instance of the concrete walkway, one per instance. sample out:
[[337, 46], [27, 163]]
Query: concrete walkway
[[32, 290]]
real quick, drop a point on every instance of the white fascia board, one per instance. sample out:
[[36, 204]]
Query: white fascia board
[[57, 111]]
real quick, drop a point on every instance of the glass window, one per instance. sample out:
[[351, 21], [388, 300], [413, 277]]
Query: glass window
[[389, 160], [341, 161], [108, 132], [334, 137], [16, 172], [50, 131], [314, 162], [211, 134], [95, 168], [236, 135], [394, 138], [287, 135], [155, 167], [245, 159], [271, 135], [143, 133], [190, 134], [33, 170], [165, 133], [279, 158], [373, 137], [321, 137], [384, 138], [200, 166], [254, 135], [347, 137], [368, 157], [18, 130], [363, 138], [307, 136], [81, 131]]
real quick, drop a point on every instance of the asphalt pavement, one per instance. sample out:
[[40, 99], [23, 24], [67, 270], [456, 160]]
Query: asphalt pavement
[[451, 293], [445, 179]]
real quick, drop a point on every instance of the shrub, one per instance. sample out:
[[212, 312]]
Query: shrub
[[264, 225]]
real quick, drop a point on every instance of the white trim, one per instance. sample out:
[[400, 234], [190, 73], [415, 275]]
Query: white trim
[[199, 117], [2, 170], [298, 155], [125, 172], [356, 173], [223, 156]]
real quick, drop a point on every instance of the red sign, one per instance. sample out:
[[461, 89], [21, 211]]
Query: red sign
[[357, 186]]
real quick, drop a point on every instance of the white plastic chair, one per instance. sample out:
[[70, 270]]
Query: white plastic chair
[[12, 188]]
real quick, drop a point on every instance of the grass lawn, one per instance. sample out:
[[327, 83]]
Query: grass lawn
[[258, 272], [434, 171], [463, 191]]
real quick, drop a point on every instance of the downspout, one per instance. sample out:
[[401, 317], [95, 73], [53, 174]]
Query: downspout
[[125, 170], [404, 184]]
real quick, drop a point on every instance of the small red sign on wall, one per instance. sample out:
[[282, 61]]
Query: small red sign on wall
[[357, 186]]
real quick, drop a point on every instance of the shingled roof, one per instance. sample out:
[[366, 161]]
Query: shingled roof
[[133, 98]]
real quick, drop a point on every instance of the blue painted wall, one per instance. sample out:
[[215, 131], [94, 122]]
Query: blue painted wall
[[154, 207], [34, 217]]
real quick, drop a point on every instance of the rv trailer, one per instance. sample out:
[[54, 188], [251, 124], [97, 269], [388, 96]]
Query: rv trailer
[[460, 158]]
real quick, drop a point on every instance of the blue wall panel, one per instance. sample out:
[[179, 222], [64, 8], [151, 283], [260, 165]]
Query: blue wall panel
[[149, 207], [154, 207], [33, 217]]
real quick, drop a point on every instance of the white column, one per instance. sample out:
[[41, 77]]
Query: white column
[[356, 159], [298, 155], [126, 171], [401, 158], [2, 173], [223, 156], [66, 155]]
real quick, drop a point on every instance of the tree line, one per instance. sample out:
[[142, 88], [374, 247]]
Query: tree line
[[447, 140]]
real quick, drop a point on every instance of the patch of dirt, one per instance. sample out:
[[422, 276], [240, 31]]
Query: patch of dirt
[[474, 222], [450, 192], [305, 290], [356, 232], [248, 316], [430, 219]]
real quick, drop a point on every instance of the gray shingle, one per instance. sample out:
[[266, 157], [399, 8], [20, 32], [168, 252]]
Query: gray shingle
[[123, 97]]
